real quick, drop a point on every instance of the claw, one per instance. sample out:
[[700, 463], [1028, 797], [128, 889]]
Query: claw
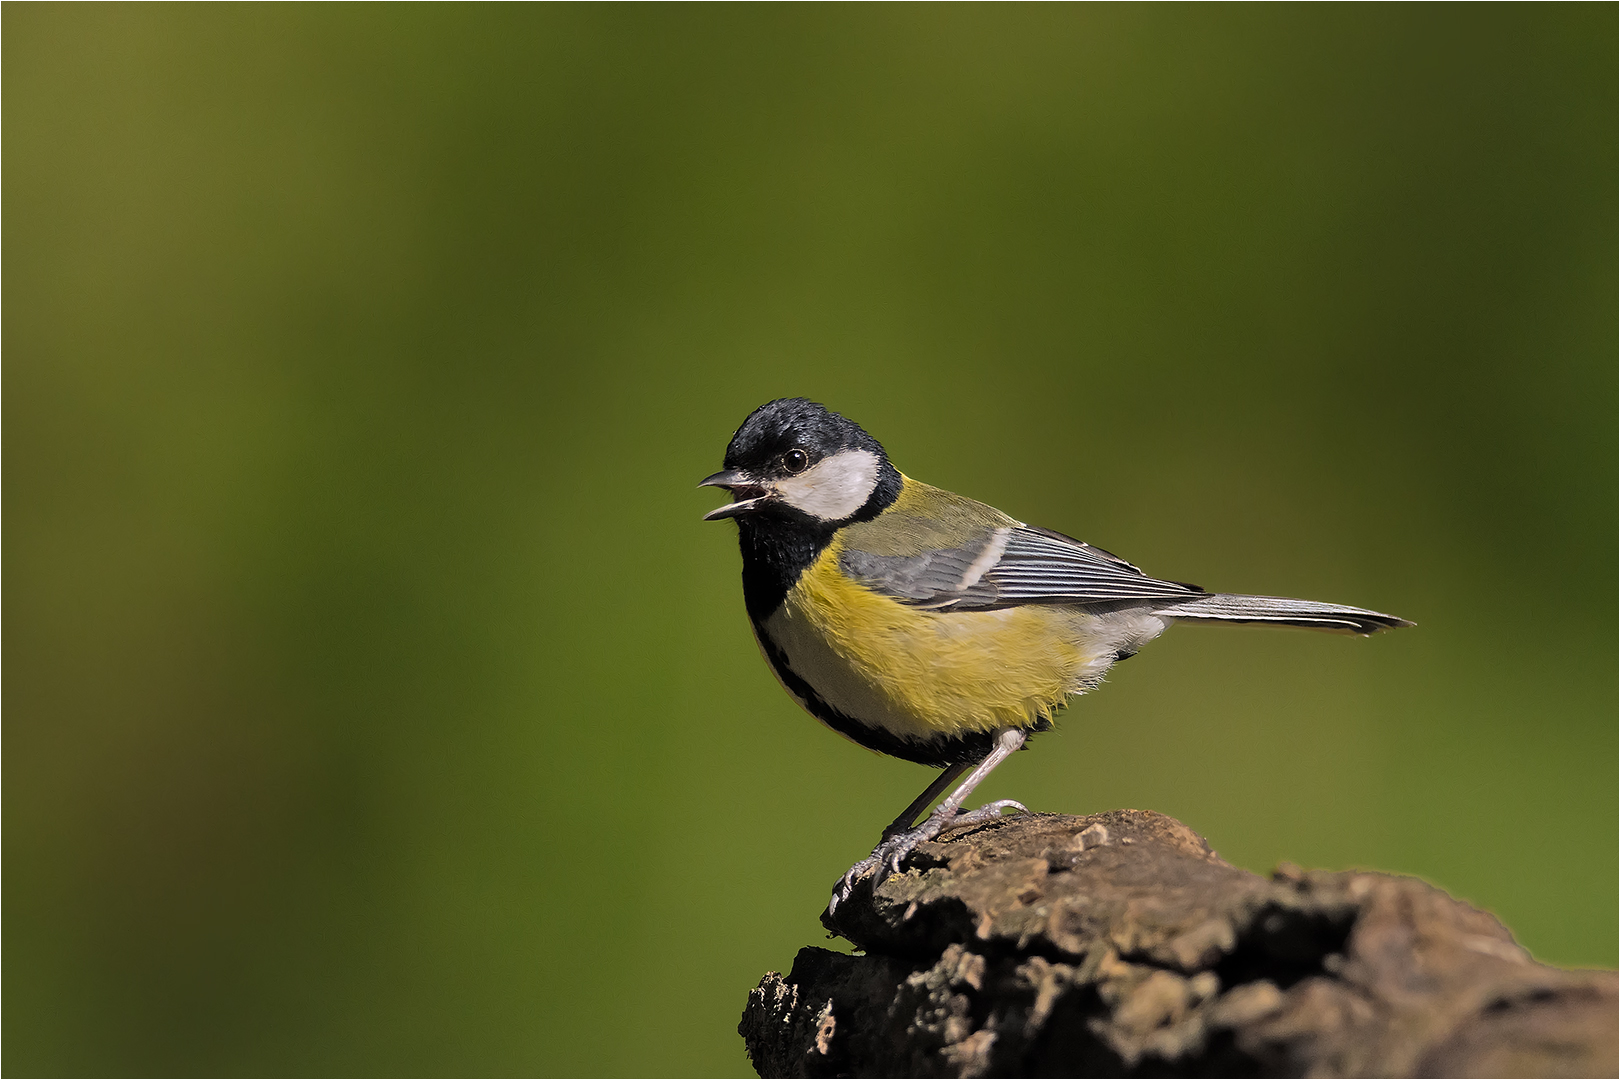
[[987, 812], [892, 852], [846, 884]]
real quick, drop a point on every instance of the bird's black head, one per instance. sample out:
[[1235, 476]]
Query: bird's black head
[[796, 460]]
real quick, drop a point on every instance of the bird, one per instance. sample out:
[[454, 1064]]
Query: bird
[[931, 627]]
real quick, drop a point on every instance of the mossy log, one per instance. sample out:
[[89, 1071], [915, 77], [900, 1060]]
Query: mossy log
[[1121, 945]]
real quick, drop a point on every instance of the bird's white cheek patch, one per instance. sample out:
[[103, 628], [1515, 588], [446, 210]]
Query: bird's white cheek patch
[[835, 488]]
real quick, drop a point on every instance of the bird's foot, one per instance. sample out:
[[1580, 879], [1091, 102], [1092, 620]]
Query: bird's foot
[[895, 847]]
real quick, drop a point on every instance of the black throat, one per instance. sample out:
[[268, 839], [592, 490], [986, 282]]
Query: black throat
[[780, 544]]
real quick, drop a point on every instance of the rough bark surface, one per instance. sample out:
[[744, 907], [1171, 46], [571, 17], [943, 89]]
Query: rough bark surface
[[1121, 945]]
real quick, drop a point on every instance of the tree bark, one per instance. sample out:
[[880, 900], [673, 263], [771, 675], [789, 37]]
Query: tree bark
[[1121, 945]]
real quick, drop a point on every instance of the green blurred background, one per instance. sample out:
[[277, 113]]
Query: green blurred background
[[377, 703]]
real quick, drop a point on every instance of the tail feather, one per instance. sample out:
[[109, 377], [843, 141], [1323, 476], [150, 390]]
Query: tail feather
[[1229, 607]]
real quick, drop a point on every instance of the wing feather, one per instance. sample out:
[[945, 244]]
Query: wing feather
[[1035, 566]]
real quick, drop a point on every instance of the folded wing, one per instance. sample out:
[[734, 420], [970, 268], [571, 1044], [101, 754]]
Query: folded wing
[[1012, 565]]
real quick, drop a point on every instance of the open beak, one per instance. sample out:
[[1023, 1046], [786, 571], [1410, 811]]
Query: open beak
[[746, 492]]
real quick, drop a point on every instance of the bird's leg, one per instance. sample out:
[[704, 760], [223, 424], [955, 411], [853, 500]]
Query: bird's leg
[[908, 817], [946, 815], [899, 839]]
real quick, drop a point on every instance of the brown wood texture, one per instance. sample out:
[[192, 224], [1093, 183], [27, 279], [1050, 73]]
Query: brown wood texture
[[1121, 945]]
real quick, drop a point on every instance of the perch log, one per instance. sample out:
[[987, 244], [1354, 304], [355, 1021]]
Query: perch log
[[1121, 945]]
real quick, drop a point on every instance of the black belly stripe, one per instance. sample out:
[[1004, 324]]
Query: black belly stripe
[[938, 752]]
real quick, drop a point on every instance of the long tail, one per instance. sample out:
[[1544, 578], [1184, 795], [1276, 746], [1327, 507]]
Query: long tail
[[1229, 607]]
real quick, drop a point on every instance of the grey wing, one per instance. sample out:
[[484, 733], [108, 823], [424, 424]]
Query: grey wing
[[1009, 566]]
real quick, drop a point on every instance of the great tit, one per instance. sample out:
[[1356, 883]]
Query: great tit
[[926, 625]]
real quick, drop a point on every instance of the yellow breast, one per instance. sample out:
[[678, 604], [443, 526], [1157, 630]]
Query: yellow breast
[[922, 674]]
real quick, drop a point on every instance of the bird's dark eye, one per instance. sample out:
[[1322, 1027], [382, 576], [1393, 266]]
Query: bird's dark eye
[[795, 461]]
